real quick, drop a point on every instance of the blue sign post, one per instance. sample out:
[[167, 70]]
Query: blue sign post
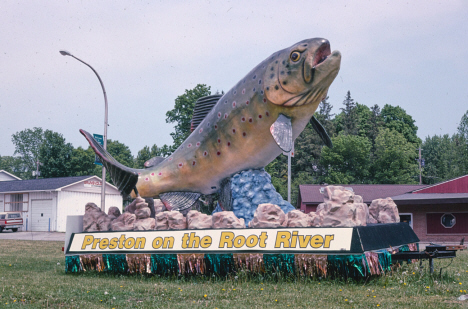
[[100, 140]]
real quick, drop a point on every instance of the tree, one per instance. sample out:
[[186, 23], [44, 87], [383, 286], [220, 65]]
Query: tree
[[445, 158], [27, 144], [347, 162], [82, 163], [396, 118], [182, 112], [463, 126], [394, 159], [13, 165], [349, 116], [55, 155], [146, 153]]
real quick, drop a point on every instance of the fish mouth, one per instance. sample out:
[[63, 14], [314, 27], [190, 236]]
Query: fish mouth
[[321, 54], [319, 57]]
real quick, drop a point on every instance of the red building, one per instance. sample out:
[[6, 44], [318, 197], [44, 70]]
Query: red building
[[437, 213]]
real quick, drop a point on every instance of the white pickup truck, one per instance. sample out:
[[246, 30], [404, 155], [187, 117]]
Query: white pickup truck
[[10, 220]]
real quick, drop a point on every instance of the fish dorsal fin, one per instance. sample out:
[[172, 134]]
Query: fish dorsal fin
[[281, 130], [321, 132], [153, 161], [202, 107]]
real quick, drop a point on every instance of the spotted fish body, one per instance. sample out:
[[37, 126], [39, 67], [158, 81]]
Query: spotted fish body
[[235, 135]]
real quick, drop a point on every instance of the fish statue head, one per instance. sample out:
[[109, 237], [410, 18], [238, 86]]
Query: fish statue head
[[302, 73]]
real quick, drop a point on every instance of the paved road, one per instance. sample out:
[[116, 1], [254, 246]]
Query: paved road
[[51, 236]]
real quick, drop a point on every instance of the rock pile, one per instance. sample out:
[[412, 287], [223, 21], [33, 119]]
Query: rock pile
[[94, 219], [113, 213], [383, 211], [268, 215], [341, 208], [124, 222], [227, 219], [197, 220], [143, 219]]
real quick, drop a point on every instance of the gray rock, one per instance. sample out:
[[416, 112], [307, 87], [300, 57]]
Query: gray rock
[[142, 213], [159, 206], [297, 218], [227, 219], [176, 220], [384, 211], [268, 215], [95, 220], [144, 224], [161, 221], [197, 220], [113, 212], [124, 222]]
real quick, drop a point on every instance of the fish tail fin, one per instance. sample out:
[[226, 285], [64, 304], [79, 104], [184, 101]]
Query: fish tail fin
[[124, 178]]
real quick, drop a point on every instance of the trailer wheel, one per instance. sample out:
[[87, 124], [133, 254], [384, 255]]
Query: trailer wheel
[[14, 230]]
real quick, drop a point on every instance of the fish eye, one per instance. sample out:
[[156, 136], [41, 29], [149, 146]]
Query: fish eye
[[295, 56]]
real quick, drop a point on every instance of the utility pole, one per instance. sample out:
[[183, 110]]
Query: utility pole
[[37, 169], [103, 186], [420, 173]]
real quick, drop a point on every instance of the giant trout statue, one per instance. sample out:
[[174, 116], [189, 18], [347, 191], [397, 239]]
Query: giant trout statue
[[248, 127]]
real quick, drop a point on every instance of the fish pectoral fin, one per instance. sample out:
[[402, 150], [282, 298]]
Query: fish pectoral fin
[[281, 130], [179, 200], [124, 178], [154, 161], [318, 127]]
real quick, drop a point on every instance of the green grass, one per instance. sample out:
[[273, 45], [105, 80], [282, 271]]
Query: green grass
[[32, 275]]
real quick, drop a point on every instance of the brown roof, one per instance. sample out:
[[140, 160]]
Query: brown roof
[[311, 193]]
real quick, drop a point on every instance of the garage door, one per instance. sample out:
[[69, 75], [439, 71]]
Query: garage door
[[41, 213]]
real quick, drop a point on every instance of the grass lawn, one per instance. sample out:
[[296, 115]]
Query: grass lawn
[[32, 275]]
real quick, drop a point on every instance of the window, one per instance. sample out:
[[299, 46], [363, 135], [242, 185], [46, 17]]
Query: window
[[16, 202], [2, 216], [448, 220], [14, 216], [407, 218]]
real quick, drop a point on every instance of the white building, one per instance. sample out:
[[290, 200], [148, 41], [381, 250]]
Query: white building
[[5, 176], [47, 202]]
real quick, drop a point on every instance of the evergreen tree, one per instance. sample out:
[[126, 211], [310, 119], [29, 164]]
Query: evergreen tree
[[463, 126], [349, 115]]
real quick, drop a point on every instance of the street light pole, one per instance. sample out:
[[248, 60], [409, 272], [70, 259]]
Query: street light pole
[[103, 186]]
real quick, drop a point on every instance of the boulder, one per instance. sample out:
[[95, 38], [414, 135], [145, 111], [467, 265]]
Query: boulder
[[312, 215], [297, 218], [144, 224], [176, 220], [95, 220], [337, 195], [330, 214], [124, 222], [161, 221], [143, 213], [341, 208], [197, 220], [158, 206], [383, 211], [227, 219], [268, 215], [113, 212]]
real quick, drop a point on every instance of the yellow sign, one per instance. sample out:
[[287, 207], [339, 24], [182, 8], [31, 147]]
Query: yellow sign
[[290, 240]]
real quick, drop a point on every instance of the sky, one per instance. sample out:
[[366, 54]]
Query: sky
[[407, 53]]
